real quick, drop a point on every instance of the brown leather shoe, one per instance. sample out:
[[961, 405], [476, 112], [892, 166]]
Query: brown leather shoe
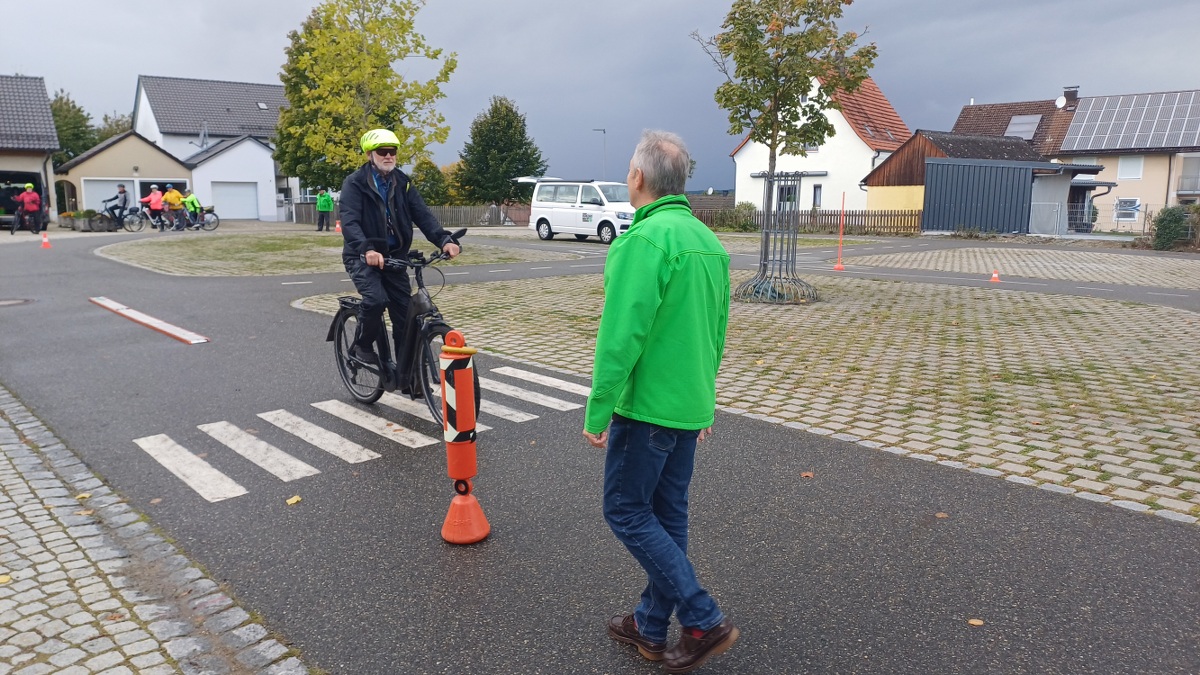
[[624, 629], [693, 650]]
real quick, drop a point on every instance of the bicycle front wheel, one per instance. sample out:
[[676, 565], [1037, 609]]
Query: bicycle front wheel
[[430, 372], [210, 222], [362, 381], [134, 222]]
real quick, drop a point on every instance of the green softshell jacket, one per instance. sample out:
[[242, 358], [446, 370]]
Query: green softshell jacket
[[662, 332], [324, 202]]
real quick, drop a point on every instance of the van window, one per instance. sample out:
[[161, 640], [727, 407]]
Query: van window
[[546, 193], [566, 194], [590, 193], [615, 193]]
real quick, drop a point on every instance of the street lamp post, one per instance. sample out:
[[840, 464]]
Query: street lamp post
[[604, 166]]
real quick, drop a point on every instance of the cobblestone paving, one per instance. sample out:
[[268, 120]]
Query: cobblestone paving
[[1074, 395], [87, 586], [159, 255], [1088, 266]]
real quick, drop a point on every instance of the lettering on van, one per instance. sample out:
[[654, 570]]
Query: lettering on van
[[587, 217]]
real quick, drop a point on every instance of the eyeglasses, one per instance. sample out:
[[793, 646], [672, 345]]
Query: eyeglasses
[[386, 152]]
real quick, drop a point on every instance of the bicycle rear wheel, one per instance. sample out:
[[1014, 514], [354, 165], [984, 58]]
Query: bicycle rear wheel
[[430, 372], [210, 222], [363, 382], [16, 224], [134, 222]]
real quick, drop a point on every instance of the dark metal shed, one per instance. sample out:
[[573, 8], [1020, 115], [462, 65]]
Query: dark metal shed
[[980, 195]]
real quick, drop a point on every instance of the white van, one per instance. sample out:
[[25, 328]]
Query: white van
[[583, 208]]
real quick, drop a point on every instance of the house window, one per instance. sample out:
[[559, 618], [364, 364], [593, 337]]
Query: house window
[[1129, 167], [1127, 208], [1023, 126], [787, 198], [816, 196]]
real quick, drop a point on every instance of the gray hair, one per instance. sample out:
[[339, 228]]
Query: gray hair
[[664, 161]]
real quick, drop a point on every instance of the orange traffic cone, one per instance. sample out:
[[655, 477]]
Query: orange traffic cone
[[995, 276], [46, 240], [465, 522], [337, 226]]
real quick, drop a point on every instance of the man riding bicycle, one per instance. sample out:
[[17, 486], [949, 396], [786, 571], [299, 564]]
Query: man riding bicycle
[[117, 210], [30, 204], [378, 209]]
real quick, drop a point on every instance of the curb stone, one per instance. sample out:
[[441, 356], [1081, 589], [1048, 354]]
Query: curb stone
[[87, 585]]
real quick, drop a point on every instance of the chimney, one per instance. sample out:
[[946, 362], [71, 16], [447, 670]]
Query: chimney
[[1071, 94]]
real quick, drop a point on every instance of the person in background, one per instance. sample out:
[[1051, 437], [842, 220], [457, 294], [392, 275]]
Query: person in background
[[174, 207], [654, 391], [324, 210], [117, 210], [192, 209], [154, 201], [30, 203]]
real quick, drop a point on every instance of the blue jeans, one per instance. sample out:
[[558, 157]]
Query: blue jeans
[[646, 476]]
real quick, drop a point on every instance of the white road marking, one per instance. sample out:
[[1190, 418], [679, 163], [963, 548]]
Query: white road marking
[[416, 408], [544, 379], [494, 271], [389, 430], [455, 274], [195, 472], [342, 448], [595, 265], [170, 330], [1170, 295], [270, 458], [541, 268], [293, 283], [1090, 288], [526, 395], [504, 412]]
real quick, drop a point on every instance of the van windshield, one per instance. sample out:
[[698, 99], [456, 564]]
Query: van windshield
[[615, 193]]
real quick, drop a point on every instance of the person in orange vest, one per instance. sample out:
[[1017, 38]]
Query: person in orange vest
[[154, 201]]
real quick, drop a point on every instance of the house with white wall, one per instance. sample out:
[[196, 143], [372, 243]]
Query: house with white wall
[[201, 120], [867, 129], [28, 140]]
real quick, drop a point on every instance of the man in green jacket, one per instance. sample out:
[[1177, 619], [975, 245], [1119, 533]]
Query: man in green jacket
[[662, 332], [324, 210]]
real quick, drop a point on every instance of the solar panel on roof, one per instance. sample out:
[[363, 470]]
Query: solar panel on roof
[[1161, 120]]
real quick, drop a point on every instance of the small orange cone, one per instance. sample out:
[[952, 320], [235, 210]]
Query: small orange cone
[[337, 226], [46, 240], [465, 522], [995, 276]]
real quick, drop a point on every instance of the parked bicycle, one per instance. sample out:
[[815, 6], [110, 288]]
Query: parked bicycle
[[23, 219], [416, 370], [207, 219], [136, 219]]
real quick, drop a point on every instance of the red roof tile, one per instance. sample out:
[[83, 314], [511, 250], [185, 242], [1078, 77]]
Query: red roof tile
[[992, 120], [871, 116]]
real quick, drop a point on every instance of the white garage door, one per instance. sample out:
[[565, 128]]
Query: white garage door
[[95, 191], [236, 200]]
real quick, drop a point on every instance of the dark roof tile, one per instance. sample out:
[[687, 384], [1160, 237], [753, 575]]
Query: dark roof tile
[[25, 119], [184, 106], [969, 146]]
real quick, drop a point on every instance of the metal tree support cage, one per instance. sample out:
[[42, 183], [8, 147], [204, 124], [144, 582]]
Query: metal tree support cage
[[776, 280]]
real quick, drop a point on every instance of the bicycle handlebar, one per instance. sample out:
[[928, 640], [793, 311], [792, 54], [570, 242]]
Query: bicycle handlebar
[[416, 259]]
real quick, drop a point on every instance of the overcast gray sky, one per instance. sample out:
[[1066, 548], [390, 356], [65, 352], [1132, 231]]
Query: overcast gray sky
[[626, 65]]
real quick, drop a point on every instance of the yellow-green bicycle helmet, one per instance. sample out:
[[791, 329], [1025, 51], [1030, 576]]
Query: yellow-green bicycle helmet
[[378, 138], [29, 186]]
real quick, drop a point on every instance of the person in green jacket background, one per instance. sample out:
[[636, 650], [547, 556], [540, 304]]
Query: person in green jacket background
[[654, 383], [192, 208], [324, 210]]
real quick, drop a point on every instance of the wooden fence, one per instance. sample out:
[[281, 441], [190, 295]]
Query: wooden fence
[[877, 223]]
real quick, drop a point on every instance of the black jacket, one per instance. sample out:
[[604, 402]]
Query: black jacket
[[364, 219]]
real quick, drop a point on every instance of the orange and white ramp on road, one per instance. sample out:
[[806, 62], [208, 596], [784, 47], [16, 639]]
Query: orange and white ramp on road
[[170, 330]]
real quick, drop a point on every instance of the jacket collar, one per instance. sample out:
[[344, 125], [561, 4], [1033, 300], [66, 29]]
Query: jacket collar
[[667, 203]]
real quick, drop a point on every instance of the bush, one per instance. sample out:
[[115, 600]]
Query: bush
[[740, 218], [1170, 226]]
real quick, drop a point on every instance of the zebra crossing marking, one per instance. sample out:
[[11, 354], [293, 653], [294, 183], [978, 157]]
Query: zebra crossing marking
[[196, 473], [270, 458], [378, 425], [416, 408], [504, 412], [528, 396], [342, 448], [544, 379]]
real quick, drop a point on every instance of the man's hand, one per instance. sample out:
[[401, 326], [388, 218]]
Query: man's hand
[[704, 433], [451, 249], [597, 440], [375, 259]]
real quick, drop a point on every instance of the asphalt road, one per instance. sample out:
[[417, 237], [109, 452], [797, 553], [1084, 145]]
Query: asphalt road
[[850, 571]]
